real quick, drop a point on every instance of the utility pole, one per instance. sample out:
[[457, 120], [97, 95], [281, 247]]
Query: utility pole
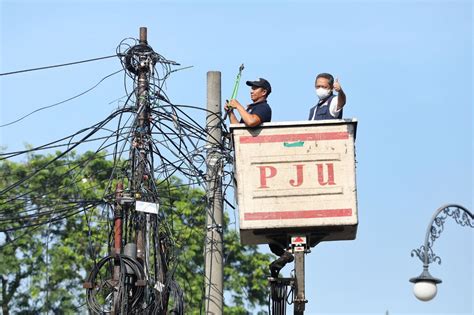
[[138, 283], [142, 172], [141, 141], [213, 249], [118, 215]]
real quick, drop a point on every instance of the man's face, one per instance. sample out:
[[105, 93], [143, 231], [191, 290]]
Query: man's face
[[257, 93], [322, 83]]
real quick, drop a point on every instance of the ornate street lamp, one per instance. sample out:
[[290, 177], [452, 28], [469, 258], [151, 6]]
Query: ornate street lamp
[[425, 284]]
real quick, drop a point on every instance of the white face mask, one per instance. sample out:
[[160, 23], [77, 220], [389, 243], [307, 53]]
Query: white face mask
[[322, 93]]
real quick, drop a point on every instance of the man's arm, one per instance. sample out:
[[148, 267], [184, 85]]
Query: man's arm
[[250, 120], [232, 118], [341, 96]]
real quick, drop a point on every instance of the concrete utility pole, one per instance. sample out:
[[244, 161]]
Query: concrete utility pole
[[214, 271]]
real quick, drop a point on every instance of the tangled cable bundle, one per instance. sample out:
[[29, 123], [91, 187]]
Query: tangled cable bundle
[[169, 154]]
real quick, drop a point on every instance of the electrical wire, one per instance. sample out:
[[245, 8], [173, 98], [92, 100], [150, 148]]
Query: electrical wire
[[56, 66], [164, 159], [61, 102]]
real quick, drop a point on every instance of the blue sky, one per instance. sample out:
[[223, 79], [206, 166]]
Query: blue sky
[[406, 67]]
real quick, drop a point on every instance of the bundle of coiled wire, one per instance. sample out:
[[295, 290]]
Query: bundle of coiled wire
[[119, 287]]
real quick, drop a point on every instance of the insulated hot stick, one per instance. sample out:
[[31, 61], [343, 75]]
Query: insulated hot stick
[[236, 89]]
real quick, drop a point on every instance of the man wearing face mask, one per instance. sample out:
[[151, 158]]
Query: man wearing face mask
[[329, 105], [256, 113]]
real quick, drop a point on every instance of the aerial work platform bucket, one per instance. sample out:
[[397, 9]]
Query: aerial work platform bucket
[[296, 178]]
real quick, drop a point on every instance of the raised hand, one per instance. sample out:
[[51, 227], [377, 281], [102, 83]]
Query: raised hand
[[337, 85]]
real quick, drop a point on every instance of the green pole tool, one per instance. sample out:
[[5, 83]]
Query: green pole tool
[[237, 82], [236, 88]]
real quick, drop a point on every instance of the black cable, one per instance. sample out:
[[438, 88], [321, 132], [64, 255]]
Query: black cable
[[8, 155], [61, 102], [68, 212], [55, 208], [60, 65], [98, 127], [77, 164], [179, 152]]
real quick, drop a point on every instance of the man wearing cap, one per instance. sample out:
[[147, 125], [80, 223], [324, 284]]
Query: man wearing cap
[[256, 113], [329, 105]]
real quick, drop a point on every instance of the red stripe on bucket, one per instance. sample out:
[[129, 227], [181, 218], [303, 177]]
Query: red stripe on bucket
[[299, 214], [295, 137]]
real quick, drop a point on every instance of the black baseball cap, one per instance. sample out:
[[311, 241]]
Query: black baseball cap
[[261, 83]]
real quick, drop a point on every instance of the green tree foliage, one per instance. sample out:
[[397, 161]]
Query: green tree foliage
[[44, 223], [55, 225]]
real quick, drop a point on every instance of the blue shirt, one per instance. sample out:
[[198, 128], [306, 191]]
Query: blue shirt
[[261, 109]]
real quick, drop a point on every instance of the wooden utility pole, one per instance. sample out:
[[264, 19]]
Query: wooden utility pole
[[142, 136]]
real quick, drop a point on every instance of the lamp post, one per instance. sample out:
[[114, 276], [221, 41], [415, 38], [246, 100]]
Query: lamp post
[[425, 284]]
